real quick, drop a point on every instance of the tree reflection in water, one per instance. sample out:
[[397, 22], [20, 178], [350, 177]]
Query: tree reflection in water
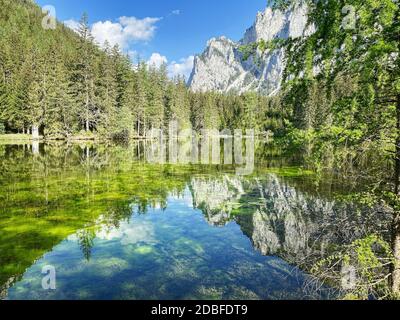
[[99, 193]]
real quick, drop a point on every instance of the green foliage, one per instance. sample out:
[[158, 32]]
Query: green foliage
[[250, 49], [369, 258], [65, 84], [70, 88], [345, 114], [345, 117], [229, 111], [247, 50], [281, 4], [2, 128]]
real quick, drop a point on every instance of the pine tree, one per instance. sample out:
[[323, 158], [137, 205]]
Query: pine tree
[[127, 117], [61, 118], [106, 97], [182, 107], [141, 88], [84, 77], [37, 92], [156, 101]]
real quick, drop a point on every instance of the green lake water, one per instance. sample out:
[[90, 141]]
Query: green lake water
[[115, 225]]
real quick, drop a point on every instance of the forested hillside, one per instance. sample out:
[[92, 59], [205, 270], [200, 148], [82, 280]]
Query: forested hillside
[[63, 85]]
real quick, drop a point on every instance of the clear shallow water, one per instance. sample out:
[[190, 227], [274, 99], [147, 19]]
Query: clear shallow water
[[117, 227], [165, 254]]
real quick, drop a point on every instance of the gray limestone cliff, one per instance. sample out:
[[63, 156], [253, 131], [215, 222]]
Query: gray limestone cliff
[[224, 68], [282, 220]]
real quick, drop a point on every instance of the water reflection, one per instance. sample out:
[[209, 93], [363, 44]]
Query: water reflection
[[281, 219], [118, 227], [171, 254]]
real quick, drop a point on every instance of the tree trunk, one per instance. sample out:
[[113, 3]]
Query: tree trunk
[[396, 218], [144, 126], [87, 125], [35, 132], [35, 147], [396, 252]]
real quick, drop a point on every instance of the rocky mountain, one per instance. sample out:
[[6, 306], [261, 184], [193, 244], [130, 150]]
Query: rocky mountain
[[216, 197], [280, 219], [224, 67]]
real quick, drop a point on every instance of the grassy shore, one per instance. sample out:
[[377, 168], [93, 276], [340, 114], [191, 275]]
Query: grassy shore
[[27, 138], [17, 138]]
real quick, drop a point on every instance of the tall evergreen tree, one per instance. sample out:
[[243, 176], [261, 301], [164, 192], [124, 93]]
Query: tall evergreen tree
[[84, 77]]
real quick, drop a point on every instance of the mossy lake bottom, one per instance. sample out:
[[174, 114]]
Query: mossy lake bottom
[[114, 225]]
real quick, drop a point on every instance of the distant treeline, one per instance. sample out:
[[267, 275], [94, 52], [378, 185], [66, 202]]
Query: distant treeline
[[59, 83]]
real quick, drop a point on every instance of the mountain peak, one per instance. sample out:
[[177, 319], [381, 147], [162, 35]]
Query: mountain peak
[[224, 68], [272, 24]]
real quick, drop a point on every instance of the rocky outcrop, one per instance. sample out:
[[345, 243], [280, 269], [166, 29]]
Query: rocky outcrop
[[282, 220], [275, 24], [223, 67], [216, 197]]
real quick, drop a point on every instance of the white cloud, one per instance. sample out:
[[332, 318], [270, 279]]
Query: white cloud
[[176, 12], [157, 60], [129, 30], [139, 29], [109, 31], [72, 24], [183, 67], [129, 234], [123, 32]]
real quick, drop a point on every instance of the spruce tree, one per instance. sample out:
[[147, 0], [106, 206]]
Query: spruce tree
[[84, 77]]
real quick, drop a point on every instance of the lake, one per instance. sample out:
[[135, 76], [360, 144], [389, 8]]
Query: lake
[[109, 222]]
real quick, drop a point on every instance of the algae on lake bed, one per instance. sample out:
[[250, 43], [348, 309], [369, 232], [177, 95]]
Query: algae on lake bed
[[138, 230]]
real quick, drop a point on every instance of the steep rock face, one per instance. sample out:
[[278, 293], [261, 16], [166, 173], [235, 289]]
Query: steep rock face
[[275, 24], [216, 197], [223, 67], [282, 220]]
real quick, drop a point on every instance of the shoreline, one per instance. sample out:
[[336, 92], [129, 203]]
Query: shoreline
[[24, 138]]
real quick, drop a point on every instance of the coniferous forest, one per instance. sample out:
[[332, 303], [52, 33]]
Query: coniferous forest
[[60, 84]]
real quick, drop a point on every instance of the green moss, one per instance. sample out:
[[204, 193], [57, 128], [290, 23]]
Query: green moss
[[287, 171], [44, 201], [189, 244], [144, 250]]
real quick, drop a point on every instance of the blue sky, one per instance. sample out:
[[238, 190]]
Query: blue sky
[[161, 30]]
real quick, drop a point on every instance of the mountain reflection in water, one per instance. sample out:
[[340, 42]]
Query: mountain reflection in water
[[117, 227]]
